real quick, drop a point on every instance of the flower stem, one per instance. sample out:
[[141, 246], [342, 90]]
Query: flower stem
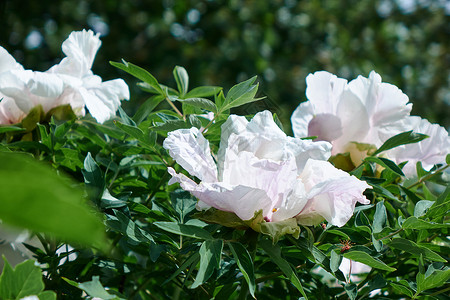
[[425, 178]]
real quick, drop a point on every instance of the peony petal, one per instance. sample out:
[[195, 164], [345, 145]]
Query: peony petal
[[292, 204], [386, 106], [430, 151], [266, 140], [300, 119], [324, 90], [354, 121], [7, 62], [244, 201], [191, 151], [80, 48], [276, 178], [303, 150], [29, 89], [332, 194], [9, 112]]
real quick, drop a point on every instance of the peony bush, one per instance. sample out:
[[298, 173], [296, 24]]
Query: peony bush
[[187, 200]]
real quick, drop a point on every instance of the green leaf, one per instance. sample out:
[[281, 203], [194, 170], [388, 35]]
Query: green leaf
[[388, 164], [351, 290], [171, 125], [434, 280], [61, 112], [183, 203], [24, 280], [34, 116], [240, 94], [274, 251], [383, 191], [182, 79], [133, 131], [411, 195], [192, 260], [414, 223], [5, 128], [47, 295], [403, 138], [420, 170], [379, 218], [185, 230], [414, 249], [93, 177], [245, 264], [335, 261], [422, 207], [129, 228], [401, 289], [203, 91], [440, 207], [33, 196], [146, 108], [69, 158], [93, 288], [139, 73], [210, 257], [365, 258], [200, 103]]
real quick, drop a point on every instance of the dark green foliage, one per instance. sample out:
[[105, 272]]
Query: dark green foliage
[[157, 247]]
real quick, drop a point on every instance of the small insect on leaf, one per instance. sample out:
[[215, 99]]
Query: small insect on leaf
[[346, 245]]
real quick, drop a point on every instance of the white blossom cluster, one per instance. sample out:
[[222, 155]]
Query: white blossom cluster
[[69, 82], [366, 110], [258, 167]]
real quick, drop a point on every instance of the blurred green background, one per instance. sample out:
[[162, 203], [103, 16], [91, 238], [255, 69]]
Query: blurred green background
[[222, 42]]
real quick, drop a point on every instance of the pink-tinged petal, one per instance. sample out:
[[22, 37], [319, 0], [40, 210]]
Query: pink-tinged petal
[[354, 121], [324, 90], [386, 106], [266, 140], [326, 127], [9, 112], [275, 177], [261, 135], [29, 89], [242, 200], [303, 150], [191, 151], [332, 194], [7, 62], [301, 118], [292, 204], [80, 48], [14, 86], [429, 151]]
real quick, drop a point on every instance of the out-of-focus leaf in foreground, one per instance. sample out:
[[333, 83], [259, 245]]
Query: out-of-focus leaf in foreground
[[33, 196]]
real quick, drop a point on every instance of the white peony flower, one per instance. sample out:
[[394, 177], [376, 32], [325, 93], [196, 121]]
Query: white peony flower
[[260, 168], [365, 111], [82, 87], [70, 82]]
